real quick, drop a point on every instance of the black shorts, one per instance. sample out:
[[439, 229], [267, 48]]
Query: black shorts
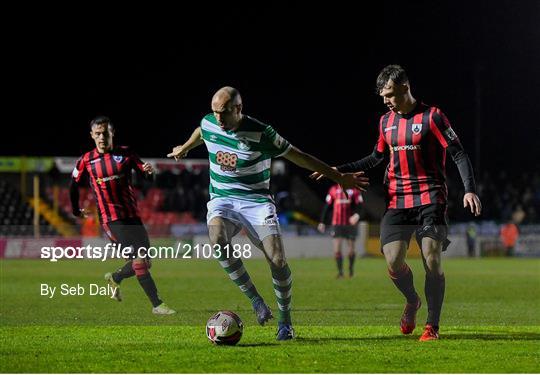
[[128, 232], [426, 221], [344, 231]]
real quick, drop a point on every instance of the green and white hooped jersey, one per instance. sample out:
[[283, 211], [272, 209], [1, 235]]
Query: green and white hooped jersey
[[240, 161]]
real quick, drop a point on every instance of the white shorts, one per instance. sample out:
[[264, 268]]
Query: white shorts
[[259, 219]]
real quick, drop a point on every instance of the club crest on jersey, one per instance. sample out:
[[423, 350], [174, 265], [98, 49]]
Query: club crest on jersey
[[416, 128], [243, 145], [450, 134], [117, 158]]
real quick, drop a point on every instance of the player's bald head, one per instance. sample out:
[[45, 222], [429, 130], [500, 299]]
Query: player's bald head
[[227, 107], [225, 98]]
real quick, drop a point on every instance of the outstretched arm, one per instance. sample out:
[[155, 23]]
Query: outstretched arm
[[370, 161], [181, 151], [307, 161]]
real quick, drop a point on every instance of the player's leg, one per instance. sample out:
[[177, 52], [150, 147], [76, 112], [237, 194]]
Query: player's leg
[[395, 234], [115, 278], [221, 232], [352, 232], [126, 271], [138, 238], [132, 233], [432, 240], [223, 224], [282, 281], [336, 242], [263, 227], [434, 286], [351, 255], [399, 271]]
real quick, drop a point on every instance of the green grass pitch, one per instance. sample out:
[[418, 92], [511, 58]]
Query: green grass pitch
[[490, 321]]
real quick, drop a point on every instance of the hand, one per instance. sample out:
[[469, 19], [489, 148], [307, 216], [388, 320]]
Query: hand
[[317, 175], [147, 168], [353, 220], [82, 213], [321, 227], [353, 180], [472, 200], [178, 153]]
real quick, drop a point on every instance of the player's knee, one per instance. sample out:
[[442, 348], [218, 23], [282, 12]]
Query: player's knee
[[433, 263], [278, 260], [218, 237], [394, 261], [140, 266], [395, 266]]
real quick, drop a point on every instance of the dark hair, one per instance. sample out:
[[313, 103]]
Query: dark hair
[[394, 72], [100, 120]]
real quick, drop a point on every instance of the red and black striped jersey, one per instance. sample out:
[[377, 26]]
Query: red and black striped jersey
[[110, 179], [417, 142], [343, 205]]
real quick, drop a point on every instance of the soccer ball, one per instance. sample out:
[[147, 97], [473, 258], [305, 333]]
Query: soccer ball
[[224, 328]]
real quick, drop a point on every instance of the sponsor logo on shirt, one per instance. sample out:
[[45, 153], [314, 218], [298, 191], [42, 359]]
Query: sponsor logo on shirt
[[226, 161], [109, 178], [406, 148]]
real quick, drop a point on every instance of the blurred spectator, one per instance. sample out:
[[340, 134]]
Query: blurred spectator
[[90, 226], [471, 234], [509, 236], [509, 196]]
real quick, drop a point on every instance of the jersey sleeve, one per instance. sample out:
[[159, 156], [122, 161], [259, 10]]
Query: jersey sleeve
[[273, 144], [442, 129], [331, 195], [358, 197], [381, 143], [79, 171], [329, 198], [136, 162]]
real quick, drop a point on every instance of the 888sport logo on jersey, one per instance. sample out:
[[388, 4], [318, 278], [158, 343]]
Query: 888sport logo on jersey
[[226, 160]]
